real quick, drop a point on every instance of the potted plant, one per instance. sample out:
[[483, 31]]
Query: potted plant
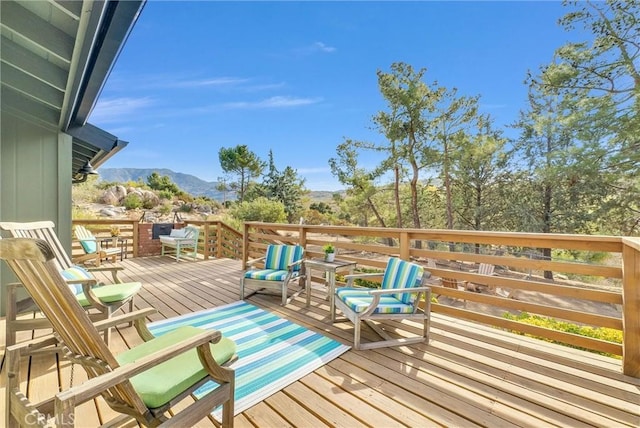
[[115, 233], [329, 252]]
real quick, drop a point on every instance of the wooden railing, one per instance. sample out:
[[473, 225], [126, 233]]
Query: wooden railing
[[614, 283], [216, 238], [219, 240], [101, 229]]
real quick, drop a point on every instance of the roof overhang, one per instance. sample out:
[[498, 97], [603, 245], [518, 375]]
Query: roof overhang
[[55, 59], [94, 145]]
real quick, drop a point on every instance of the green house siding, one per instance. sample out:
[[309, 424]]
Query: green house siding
[[35, 180]]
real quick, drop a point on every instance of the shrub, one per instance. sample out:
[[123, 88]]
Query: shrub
[[185, 208], [149, 203], [165, 194], [132, 201], [165, 208], [260, 209], [601, 333]]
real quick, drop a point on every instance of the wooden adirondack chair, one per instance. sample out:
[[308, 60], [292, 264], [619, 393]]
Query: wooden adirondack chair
[[483, 269], [92, 248], [93, 296], [403, 285], [142, 383]]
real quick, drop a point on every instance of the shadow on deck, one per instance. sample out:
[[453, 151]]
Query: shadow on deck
[[468, 375]]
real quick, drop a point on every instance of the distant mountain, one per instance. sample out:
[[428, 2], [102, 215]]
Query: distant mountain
[[189, 183]]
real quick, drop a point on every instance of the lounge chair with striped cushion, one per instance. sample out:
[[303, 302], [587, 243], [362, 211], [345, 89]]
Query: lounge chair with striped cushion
[[281, 265], [398, 298]]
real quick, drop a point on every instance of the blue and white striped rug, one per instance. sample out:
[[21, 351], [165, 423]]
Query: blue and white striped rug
[[272, 352]]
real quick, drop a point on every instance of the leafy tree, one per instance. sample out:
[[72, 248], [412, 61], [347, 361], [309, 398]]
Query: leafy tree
[[162, 183], [286, 187], [360, 182], [420, 125], [243, 163], [222, 186], [477, 175], [451, 117], [608, 72], [563, 189], [259, 209], [409, 100], [321, 207]]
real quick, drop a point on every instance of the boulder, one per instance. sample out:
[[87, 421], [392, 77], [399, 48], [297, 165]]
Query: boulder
[[149, 198], [107, 212], [120, 192], [109, 197]]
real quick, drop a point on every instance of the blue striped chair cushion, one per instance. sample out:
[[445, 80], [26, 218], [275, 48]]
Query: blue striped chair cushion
[[358, 299], [402, 274], [267, 274], [281, 256], [76, 273]]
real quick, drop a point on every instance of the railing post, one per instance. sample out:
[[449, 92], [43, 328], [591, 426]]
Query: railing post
[[136, 238], [206, 240], [245, 246], [302, 240], [631, 306], [302, 236], [219, 240], [405, 243]]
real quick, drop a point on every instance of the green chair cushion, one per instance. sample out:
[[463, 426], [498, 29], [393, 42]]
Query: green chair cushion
[[111, 293], [164, 382]]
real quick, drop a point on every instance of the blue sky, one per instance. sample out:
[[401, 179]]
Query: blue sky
[[299, 77]]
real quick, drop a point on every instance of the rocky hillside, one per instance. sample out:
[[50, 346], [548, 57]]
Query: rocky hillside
[[189, 183]]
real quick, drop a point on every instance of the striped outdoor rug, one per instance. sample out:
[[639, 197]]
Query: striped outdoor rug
[[272, 352]]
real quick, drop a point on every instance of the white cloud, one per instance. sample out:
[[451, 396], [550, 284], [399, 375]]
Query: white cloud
[[273, 102], [264, 87], [323, 48], [115, 109], [314, 48], [217, 81]]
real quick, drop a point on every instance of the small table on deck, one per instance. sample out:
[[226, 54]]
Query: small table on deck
[[116, 241], [330, 269]]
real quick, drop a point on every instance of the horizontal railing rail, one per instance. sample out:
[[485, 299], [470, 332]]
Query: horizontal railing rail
[[600, 294], [101, 229], [216, 239]]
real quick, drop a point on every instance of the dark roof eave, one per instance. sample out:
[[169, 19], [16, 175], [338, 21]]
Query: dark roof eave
[[92, 144], [118, 20]]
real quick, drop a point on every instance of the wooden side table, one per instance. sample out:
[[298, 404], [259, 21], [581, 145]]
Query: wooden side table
[[330, 269], [116, 241]]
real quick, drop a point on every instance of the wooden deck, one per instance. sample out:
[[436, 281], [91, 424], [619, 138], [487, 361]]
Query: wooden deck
[[468, 375]]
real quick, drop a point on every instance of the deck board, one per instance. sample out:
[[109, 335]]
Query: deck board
[[468, 375]]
